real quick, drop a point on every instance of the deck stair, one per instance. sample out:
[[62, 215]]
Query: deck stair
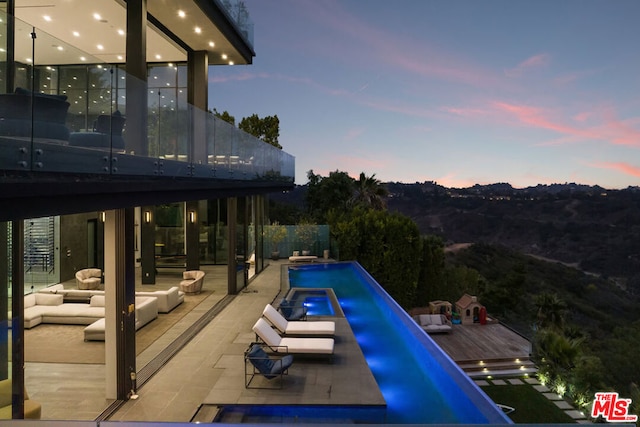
[[502, 367]]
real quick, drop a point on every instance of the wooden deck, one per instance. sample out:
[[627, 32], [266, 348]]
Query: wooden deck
[[483, 342]]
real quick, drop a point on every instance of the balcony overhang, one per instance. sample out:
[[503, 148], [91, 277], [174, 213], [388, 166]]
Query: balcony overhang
[[31, 195], [95, 31]]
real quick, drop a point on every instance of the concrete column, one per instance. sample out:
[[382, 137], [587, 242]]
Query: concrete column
[[192, 235], [232, 209], [197, 96], [148, 245], [119, 285], [136, 68], [17, 326]]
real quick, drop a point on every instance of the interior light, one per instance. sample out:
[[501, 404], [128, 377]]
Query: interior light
[[192, 217], [47, 18], [158, 56], [28, 59], [224, 56], [60, 48], [211, 44], [181, 13], [82, 58], [147, 216], [230, 62], [76, 34], [120, 57], [103, 216], [121, 32], [100, 47], [198, 30], [97, 16]]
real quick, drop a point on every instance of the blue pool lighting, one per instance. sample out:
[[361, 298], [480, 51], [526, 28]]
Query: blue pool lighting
[[420, 383]]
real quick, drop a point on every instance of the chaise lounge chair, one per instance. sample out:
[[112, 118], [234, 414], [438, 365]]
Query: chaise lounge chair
[[291, 345], [319, 328], [262, 364], [290, 311]]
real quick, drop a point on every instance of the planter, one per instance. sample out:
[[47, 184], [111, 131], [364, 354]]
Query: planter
[[306, 253], [275, 255]]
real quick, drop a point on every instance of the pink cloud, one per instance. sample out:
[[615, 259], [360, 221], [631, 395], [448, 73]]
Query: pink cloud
[[464, 112], [376, 44], [622, 167], [535, 61], [611, 130]]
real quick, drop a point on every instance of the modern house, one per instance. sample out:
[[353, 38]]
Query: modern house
[[110, 158]]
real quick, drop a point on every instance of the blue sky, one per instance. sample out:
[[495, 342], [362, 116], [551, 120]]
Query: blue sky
[[454, 91]]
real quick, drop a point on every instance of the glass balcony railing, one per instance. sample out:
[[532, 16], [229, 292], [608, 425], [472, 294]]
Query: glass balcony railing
[[69, 114], [238, 12]]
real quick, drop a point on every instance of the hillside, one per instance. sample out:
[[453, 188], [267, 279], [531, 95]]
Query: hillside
[[590, 228]]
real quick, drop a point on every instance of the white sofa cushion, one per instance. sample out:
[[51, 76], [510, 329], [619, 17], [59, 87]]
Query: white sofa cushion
[[49, 299], [167, 299], [29, 300], [97, 301]]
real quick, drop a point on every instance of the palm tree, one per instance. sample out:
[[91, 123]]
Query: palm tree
[[550, 311], [370, 192]]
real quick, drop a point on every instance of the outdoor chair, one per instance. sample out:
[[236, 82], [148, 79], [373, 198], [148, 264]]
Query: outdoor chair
[[258, 362], [316, 328], [279, 344], [291, 311]]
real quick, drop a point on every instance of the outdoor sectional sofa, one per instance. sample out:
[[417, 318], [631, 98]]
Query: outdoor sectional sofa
[[434, 323], [51, 308], [29, 114], [167, 299]]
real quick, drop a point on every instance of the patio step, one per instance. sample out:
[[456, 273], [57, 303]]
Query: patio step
[[498, 367]]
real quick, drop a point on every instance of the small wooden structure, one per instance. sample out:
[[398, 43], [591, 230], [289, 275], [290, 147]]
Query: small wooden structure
[[440, 307], [470, 310]]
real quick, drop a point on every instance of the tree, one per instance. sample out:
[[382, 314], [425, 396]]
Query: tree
[[387, 245], [370, 192], [266, 128], [325, 194], [431, 284], [550, 310], [225, 116]]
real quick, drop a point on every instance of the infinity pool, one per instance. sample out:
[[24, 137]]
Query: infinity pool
[[419, 382]]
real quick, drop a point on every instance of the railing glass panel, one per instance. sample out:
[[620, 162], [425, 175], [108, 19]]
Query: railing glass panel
[[70, 113]]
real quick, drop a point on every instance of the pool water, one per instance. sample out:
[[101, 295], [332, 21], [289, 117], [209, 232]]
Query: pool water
[[419, 382], [316, 301]]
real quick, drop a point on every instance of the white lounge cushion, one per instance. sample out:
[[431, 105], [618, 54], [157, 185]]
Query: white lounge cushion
[[49, 299], [292, 345], [297, 327]]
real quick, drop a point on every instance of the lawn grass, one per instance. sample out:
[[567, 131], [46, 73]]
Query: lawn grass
[[530, 405]]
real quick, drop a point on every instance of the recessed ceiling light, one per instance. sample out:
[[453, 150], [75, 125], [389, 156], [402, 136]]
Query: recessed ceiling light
[[60, 48], [100, 47], [47, 18], [224, 56], [82, 58], [198, 30], [211, 44], [121, 31], [120, 57], [97, 16], [28, 59], [181, 13], [230, 62], [158, 56], [76, 34]]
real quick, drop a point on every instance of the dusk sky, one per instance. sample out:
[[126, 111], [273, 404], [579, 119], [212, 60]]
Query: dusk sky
[[454, 91]]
